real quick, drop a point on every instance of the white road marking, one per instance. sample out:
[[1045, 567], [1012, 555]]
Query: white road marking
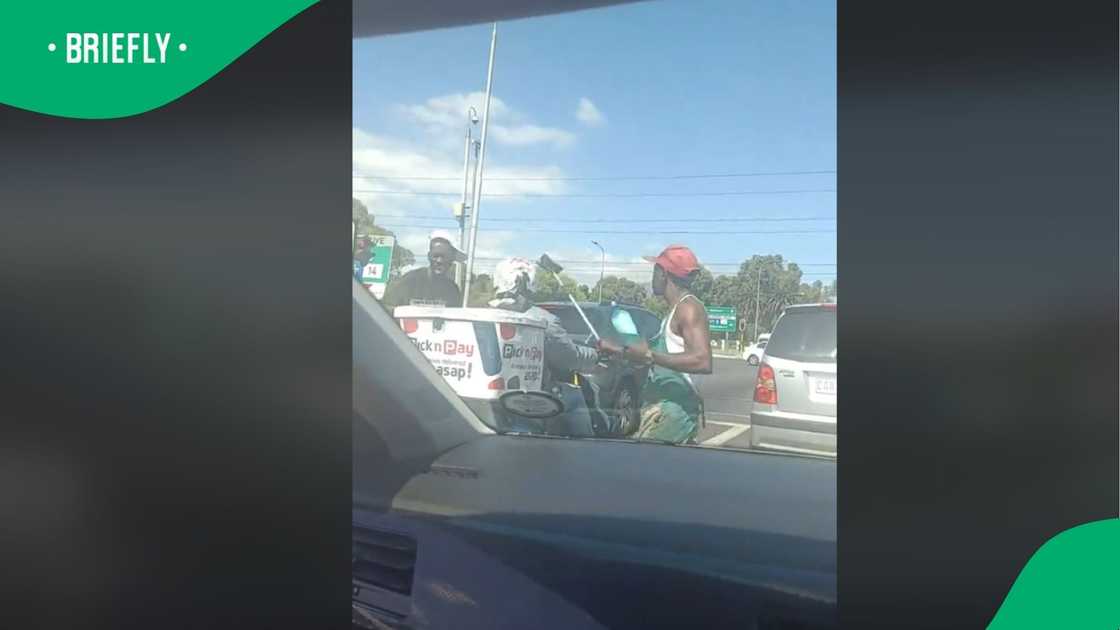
[[728, 435], [727, 415], [729, 424]]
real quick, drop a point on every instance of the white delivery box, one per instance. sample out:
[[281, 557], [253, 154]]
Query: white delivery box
[[480, 352]]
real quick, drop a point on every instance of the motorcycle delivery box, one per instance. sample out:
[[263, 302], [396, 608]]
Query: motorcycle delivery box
[[480, 352]]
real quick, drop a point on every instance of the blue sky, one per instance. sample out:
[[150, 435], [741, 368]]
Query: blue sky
[[651, 89]]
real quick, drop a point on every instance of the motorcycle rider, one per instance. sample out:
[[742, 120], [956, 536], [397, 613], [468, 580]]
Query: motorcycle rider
[[515, 285]]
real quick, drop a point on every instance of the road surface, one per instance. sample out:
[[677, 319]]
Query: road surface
[[727, 394]]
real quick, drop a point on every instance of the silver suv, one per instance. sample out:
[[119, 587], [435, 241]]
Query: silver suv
[[795, 391]]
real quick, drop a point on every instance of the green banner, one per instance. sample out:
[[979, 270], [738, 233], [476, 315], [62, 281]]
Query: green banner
[[113, 59]]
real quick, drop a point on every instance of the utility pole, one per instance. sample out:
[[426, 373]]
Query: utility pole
[[479, 164], [461, 211]]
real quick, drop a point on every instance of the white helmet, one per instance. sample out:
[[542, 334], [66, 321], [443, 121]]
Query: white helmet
[[509, 271]]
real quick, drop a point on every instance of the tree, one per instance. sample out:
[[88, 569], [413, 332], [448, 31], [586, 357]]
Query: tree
[[766, 284], [723, 292], [618, 289], [549, 291], [364, 226], [813, 293], [703, 285], [656, 305]]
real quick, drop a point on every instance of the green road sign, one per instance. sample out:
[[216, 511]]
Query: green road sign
[[721, 319], [375, 273]]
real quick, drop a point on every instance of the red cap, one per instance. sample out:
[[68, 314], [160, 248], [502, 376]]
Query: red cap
[[677, 260]]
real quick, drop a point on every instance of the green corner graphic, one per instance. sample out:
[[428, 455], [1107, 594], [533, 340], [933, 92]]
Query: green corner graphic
[[1071, 582], [161, 51]]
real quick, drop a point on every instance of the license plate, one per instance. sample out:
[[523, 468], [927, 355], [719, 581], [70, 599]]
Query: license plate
[[826, 386]]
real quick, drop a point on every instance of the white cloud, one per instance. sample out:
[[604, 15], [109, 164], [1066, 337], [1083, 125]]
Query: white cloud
[[531, 134], [446, 114], [586, 270], [391, 158], [440, 113], [588, 114], [388, 157], [428, 143]]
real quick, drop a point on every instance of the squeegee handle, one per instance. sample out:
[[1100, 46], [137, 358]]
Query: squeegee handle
[[584, 316]]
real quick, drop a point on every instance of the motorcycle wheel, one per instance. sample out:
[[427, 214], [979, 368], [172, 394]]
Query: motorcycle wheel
[[626, 414]]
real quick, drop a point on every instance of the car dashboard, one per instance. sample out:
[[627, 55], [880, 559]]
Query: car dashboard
[[522, 531]]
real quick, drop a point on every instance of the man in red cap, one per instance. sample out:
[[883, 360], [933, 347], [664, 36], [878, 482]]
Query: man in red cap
[[671, 406]]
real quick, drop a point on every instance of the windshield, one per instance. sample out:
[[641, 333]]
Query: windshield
[[805, 335], [680, 177]]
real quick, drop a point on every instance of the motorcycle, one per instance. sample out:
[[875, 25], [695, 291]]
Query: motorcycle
[[573, 408], [564, 409]]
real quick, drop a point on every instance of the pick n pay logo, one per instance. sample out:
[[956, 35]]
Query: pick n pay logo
[[117, 48]]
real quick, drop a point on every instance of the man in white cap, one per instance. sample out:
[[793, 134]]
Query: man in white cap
[[432, 285]]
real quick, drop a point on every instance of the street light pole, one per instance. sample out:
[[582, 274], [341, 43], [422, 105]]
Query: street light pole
[[474, 184], [480, 164], [463, 203], [468, 142], [602, 268], [466, 181]]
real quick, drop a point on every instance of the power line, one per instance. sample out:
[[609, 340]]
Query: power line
[[602, 178], [403, 226], [583, 268], [491, 266], [725, 193], [644, 263], [571, 220], [588, 266]]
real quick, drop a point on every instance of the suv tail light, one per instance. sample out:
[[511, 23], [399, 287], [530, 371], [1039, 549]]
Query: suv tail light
[[765, 390]]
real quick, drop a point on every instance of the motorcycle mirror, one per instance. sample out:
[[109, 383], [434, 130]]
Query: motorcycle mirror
[[531, 404], [549, 264]]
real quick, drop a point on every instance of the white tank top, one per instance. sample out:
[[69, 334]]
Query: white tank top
[[674, 343]]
